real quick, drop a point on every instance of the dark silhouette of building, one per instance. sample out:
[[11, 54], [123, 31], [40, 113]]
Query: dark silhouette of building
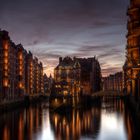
[[132, 64], [90, 75]]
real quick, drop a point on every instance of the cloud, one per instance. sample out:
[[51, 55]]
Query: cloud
[[111, 70], [110, 53], [82, 28]]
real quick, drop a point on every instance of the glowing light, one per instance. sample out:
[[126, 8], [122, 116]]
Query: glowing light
[[5, 83], [56, 100], [20, 85], [6, 46], [47, 132]]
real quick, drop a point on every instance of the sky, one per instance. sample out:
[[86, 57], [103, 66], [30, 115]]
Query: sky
[[81, 28]]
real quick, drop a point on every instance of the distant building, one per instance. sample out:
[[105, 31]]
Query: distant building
[[67, 77], [38, 87], [20, 73], [48, 83], [77, 76], [132, 64], [113, 82]]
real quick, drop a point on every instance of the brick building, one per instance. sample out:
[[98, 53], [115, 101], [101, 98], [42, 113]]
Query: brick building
[[20, 73], [132, 64], [113, 82]]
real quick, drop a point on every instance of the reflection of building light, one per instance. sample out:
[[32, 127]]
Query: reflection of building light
[[67, 132], [110, 122], [64, 100], [55, 121], [6, 133], [56, 100], [64, 121], [47, 133]]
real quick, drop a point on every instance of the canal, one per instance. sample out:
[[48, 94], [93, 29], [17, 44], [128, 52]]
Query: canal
[[111, 120]]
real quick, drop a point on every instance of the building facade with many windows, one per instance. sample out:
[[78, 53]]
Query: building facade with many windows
[[20, 73], [67, 77], [132, 64], [113, 82], [78, 76]]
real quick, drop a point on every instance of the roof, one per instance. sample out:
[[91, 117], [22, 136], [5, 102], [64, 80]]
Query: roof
[[68, 62]]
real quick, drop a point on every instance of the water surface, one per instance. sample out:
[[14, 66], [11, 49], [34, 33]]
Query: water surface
[[109, 121]]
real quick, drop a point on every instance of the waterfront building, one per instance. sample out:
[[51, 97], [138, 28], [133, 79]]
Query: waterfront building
[[67, 77], [132, 64], [40, 79], [113, 82], [20, 73], [90, 75], [29, 74], [8, 65], [78, 75], [21, 59]]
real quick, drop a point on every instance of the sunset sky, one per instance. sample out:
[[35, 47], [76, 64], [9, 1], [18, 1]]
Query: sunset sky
[[81, 28]]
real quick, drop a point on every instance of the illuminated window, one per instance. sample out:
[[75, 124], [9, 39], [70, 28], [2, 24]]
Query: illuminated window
[[5, 73], [5, 60], [20, 62], [20, 67], [20, 85], [5, 53], [5, 83], [6, 67], [20, 56], [6, 46], [20, 73]]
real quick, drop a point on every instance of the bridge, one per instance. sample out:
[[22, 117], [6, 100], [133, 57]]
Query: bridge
[[111, 94]]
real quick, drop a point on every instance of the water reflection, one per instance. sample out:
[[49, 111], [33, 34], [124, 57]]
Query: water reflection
[[112, 121], [72, 124], [112, 126]]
